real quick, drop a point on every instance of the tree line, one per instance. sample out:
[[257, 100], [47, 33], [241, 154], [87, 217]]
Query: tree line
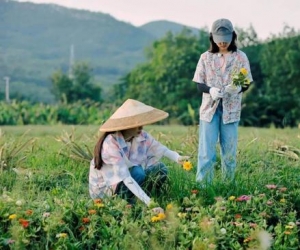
[[164, 80]]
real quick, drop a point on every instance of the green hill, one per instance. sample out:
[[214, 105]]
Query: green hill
[[35, 40]]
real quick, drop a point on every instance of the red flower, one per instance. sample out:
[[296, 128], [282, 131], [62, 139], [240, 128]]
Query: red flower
[[195, 191], [24, 223], [238, 216]]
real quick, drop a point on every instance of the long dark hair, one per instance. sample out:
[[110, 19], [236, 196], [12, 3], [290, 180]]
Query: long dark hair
[[214, 47], [97, 150]]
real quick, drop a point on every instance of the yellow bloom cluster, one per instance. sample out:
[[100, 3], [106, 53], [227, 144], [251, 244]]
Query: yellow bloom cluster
[[159, 217], [187, 165], [62, 235]]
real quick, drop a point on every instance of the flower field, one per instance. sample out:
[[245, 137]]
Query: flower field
[[44, 200]]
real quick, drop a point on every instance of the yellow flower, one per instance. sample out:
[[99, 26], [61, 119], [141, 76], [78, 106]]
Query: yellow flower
[[12, 216], [187, 165], [244, 71], [161, 216], [169, 206], [289, 227], [62, 235], [181, 215], [282, 200], [99, 205], [155, 219], [231, 198]]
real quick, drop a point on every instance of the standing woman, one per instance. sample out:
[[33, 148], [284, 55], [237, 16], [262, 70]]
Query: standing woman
[[220, 109]]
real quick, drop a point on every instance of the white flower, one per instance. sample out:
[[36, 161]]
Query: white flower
[[223, 231], [265, 240], [19, 203]]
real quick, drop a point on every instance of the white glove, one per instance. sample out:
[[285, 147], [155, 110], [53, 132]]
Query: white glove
[[215, 93], [231, 89], [158, 210], [181, 159]]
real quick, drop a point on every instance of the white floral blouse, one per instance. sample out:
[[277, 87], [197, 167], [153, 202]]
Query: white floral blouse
[[208, 71]]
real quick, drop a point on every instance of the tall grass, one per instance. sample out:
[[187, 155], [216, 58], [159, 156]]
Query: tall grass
[[44, 185]]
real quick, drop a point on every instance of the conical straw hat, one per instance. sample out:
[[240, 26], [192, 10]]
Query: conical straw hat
[[132, 114]]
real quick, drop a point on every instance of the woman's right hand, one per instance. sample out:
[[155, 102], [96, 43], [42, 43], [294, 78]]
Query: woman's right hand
[[158, 210]]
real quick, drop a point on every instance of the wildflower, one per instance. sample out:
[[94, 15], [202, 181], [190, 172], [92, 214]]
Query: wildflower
[[282, 200], [29, 212], [231, 198], [238, 216], [292, 223], [12, 216], [282, 189], [154, 219], [187, 165], [289, 227], [265, 240], [161, 216], [181, 215], [46, 214], [223, 231], [212, 246], [24, 223], [271, 186], [9, 241], [243, 198], [244, 71], [269, 202], [97, 201], [99, 205], [92, 211], [253, 225], [169, 207], [195, 191], [128, 206], [86, 220], [247, 239], [19, 203], [62, 235], [287, 232]]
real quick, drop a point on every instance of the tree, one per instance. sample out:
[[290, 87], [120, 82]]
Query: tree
[[77, 87], [165, 80]]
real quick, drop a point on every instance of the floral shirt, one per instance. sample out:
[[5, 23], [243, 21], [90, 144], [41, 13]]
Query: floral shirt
[[209, 71], [118, 156]]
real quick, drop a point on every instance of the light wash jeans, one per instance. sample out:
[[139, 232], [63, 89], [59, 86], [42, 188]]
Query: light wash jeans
[[209, 134]]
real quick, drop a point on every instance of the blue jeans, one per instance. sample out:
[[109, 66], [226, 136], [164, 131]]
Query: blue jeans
[[152, 179], [209, 134]]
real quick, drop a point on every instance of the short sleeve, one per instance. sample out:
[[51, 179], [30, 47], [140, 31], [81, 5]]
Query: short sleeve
[[199, 75]]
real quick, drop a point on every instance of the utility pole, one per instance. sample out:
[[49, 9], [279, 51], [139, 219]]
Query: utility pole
[[71, 62], [6, 78]]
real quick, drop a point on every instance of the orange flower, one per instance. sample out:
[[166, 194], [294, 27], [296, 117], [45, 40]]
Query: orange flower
[[92, 211], [238, 216], [24, 223], [97, 201], [86, 220], [29, 212], [195, 191]]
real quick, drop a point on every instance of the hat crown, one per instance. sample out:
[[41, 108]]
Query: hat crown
[[132, 114], [222, 26], [131, 108]]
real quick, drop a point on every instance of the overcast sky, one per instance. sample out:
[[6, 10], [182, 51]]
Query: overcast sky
[[266, 16]]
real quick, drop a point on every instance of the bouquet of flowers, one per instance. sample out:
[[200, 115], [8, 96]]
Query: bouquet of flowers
[[240, 78]]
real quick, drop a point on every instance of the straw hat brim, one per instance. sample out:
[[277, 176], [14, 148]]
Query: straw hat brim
[[138, 120]]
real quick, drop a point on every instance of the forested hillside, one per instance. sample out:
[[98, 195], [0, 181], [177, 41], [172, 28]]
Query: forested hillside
[[36, 40]]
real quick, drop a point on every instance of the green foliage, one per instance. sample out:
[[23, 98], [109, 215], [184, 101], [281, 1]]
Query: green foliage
[[76, 86], [165, 80], [79, 112], [51, 208]]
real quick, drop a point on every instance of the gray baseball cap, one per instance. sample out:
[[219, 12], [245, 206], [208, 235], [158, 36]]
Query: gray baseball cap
[[222, 31]]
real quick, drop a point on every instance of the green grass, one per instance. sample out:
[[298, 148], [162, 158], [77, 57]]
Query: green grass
[[38, 174]]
